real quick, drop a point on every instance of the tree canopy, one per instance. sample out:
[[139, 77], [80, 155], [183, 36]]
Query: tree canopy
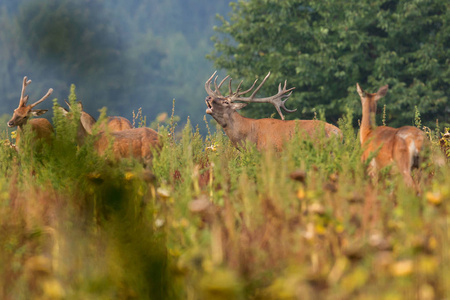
[[124, 55], [324, 48]]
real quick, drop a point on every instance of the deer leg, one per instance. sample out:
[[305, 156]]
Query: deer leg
[[372, 168], [404, 161]]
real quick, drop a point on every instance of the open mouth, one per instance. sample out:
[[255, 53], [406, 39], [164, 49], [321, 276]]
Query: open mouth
[[209, 109]]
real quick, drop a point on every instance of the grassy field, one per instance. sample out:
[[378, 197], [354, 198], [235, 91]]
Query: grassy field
[[207, 221]]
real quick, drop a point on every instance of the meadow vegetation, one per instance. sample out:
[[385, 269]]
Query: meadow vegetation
[[206, 221]]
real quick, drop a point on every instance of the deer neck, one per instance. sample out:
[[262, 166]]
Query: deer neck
[[19, 133], [367, 122], [236, 127]]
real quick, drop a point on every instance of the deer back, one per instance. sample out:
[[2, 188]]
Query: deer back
[[118, 124], [136, 142], [274, 133], [111, 124]]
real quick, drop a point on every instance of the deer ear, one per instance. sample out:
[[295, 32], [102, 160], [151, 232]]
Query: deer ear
[[237, 106], [87, 121], [38, 112], [25, 99], [360, 91], [381, 92], [63, 111]]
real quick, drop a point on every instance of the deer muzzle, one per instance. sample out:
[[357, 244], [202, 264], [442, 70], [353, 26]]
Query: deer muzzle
[[208, 103], [11, 123]]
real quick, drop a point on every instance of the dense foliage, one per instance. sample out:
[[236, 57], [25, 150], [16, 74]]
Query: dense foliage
[[324, 47], [122, 54]]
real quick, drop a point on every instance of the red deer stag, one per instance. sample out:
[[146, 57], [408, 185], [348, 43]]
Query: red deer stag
[[400, 146], [264, 133], [134, 142], [41, 127]]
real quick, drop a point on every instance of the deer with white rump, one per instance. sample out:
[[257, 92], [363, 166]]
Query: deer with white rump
[[401, 147]]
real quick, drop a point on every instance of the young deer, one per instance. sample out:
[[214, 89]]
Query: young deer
[[264, 133], [400, 146], [41, 127], [134, 142]]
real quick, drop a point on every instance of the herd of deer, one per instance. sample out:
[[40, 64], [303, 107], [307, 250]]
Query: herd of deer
[[385, 145]]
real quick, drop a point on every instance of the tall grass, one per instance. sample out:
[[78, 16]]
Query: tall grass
[[206, 221]]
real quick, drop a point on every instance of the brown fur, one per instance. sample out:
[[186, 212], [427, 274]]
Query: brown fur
[[41, 127], [118, 124], [136, 142], [133, 142], [399, 146], [264, 133], [113, 124]]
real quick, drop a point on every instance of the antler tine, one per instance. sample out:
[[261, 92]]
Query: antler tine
[[239, 87], [237, 94], [259, 86], [23, 98], [223, 80], [229, 87], [50, 91], [217, 87], [281, 103], [208, 85], [283, 106], [275, 100]]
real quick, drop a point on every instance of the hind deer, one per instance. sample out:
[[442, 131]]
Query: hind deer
[[114, 123], [399, 146], [264, 133], [41, 127], [134, 142]]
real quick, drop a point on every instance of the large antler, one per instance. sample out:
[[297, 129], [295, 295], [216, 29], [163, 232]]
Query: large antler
[[275, 100]]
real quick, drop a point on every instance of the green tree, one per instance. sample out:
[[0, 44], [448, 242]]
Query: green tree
[[324, 47], [121, 54], [82, 44]]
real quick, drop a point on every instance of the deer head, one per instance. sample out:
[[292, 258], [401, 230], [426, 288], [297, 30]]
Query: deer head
[[219, 106], [370, 100], [24, 111]]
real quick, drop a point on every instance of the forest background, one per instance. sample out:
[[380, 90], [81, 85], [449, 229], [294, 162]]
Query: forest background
[[127, 55]]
